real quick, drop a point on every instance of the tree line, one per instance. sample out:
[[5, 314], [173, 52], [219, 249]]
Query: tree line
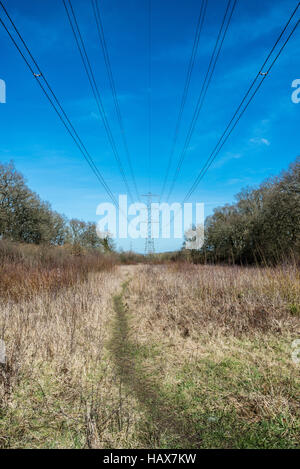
[[263, 226], [24, 217]]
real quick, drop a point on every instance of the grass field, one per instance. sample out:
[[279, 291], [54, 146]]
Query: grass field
[[166, 356]]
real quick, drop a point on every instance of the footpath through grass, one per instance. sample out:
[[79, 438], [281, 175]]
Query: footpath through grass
[[162, 421]]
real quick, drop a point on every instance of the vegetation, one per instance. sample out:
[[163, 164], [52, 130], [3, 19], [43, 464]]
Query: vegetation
[[262, 227], [26, 270], [25, 218], [215, 342], [158, 357]]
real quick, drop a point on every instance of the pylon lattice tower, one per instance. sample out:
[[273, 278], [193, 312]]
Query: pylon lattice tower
[[149, 242]]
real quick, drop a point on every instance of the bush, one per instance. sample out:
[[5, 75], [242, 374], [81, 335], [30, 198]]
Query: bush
[[27, 269]]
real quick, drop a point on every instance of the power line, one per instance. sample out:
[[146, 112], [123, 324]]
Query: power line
[[100, 29], [207, 80], [264, 75], [52, 98], [149, 90], [186, 88], [91, 77]]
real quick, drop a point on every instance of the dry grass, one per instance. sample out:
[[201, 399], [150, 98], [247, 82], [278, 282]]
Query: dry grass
[[223, 354], [219, 299], [26, 270], [57, 388], [180, 356]]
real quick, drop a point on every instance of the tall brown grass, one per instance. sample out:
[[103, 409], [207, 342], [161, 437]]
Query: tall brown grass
[[219, 299], [219, 339], [26, 269], [56, 389]]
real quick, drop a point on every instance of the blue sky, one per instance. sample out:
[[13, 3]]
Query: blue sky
[[264, 142]]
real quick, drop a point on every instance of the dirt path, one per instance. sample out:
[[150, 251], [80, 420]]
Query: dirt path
[[162, 417]]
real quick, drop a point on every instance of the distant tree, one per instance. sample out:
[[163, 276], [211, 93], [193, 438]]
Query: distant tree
[[263, 225], [90, 237], [23, 216], [77, 228], [85, 235], [107, 244], [13, 195]]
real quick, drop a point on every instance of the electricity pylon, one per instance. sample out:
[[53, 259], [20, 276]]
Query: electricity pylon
[[149, 242]]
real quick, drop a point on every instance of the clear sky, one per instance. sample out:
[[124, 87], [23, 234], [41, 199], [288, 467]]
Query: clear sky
[[265, 141]]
